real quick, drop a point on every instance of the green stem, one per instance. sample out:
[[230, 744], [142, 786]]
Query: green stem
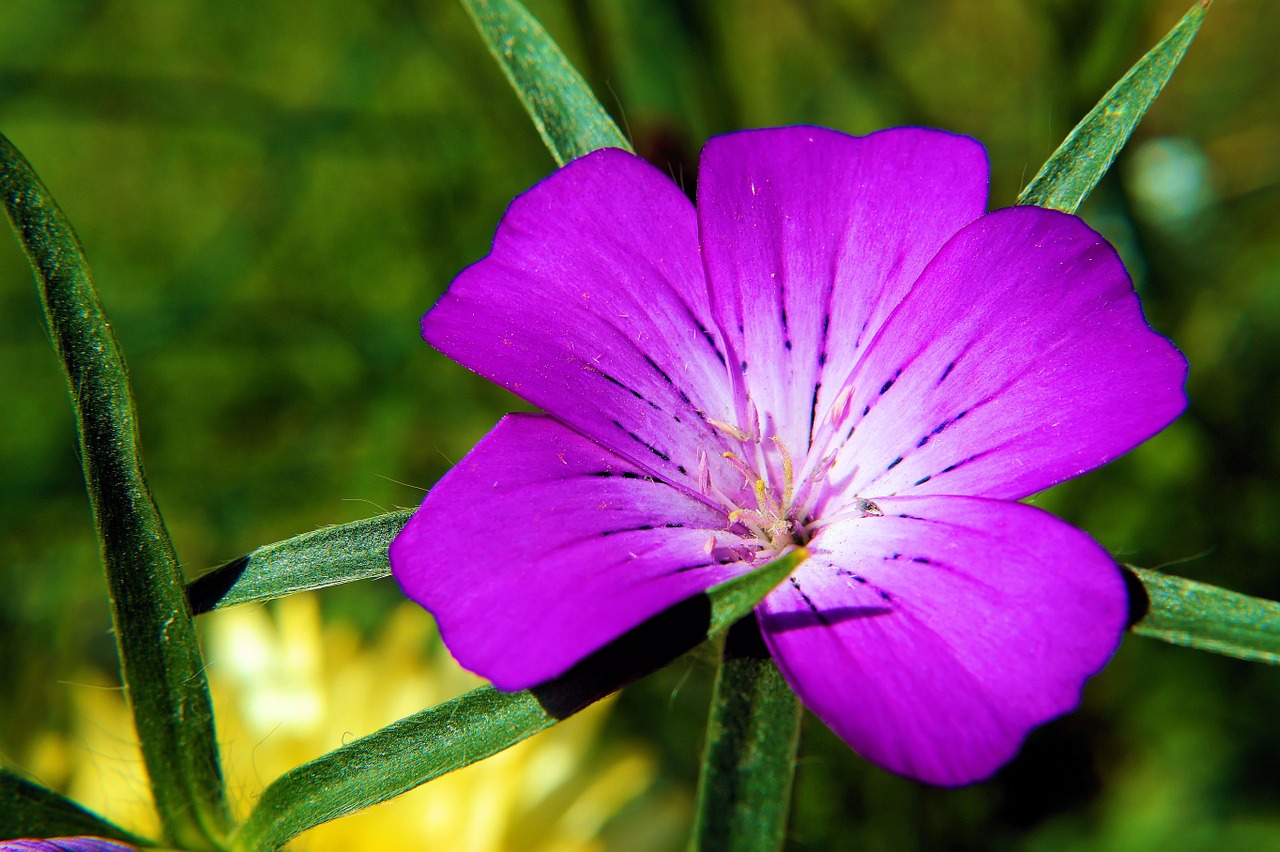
[[160, 657], [744, 792]]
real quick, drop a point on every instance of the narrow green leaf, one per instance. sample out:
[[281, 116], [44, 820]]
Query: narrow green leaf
[[1210, 618], [1068, 176], [744, 791], [160, 657], [391, 761], [29, 810], [314, 560], [569, 118], [733, 599], [483, 722]]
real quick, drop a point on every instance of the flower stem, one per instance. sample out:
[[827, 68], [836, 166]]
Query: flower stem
[[749, 762]]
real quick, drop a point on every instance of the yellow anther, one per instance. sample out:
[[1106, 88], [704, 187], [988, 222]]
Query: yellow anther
[[741, 466], [764, 500], [730, 429]]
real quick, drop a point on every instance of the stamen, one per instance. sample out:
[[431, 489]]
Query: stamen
[[765, 501], [751, 515], [773, 521], [741, 466], [751, 520], [824, 467], [755, 420], [840, 407], [730, 429], [788, 472]]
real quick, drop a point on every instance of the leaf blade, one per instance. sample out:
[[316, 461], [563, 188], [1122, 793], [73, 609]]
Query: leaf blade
[[566, 114], [160, 657], [315, 560], [1209, 618], [29, 810], [1075, 168], [479, 724]]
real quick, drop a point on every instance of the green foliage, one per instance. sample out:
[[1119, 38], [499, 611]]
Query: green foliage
[[744, 790], [483, 722], [336, 178], [1198, 615], [29, 810], [1084, 157], [314, 560], [391, 761], [569, 118], [159, 654]]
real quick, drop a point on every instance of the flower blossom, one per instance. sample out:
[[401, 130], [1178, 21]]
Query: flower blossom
[[65, 844], [838, 348]]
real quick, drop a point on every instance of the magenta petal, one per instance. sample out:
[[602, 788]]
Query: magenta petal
[[1020, 359], [932, 639], [540, 547], [592, 305], [811, 237], [65, 844]]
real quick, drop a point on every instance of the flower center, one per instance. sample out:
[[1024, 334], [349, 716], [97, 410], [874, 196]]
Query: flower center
[[776, 515], [759, 507], [772, 519]]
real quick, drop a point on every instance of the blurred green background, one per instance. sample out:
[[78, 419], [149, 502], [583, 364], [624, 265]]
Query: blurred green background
[[271, 194]]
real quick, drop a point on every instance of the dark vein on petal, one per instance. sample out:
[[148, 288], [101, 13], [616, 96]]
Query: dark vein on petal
[[813, 407], [641, 528], [809, 602], [711, 341], [687, 568], [857, 343]]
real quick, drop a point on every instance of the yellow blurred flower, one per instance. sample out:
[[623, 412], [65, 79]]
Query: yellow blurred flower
[[287, 688]]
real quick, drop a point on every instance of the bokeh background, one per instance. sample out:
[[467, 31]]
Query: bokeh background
[[272, 193]]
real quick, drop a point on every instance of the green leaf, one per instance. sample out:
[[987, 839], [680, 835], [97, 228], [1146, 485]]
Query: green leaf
[[1210, 618], [569, 118], [733, 599], [744, 791], [29, 810], [483, 722], [314, 560], [1088, 151], [160, 657]]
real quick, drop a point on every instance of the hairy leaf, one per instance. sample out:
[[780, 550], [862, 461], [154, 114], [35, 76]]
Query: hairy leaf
[[160, 657], [314, 560], [1073, 170], [29, 810], [483, 722], [1210, 618], [569, 118]]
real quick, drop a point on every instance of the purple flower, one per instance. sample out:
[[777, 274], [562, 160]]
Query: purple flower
[[838, 348], [65, 844]]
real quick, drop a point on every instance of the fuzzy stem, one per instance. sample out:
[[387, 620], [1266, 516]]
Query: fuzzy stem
[[744, 792]]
